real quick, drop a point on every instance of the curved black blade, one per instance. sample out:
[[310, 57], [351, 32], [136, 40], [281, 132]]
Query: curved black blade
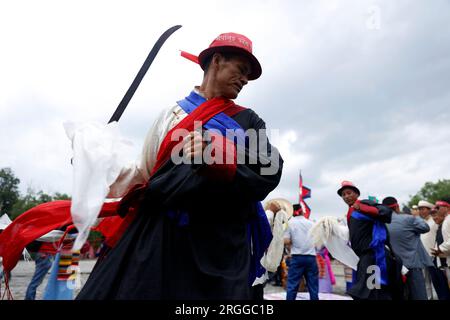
[[137, 80]]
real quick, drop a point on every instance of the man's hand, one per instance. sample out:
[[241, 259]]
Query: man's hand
[[356, 206], [193, 145], [274, 207], [436, 252]]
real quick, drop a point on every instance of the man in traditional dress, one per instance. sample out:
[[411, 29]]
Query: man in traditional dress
[[404, 231], [429, 239], [195, 230], [441, 251], [378, 274]]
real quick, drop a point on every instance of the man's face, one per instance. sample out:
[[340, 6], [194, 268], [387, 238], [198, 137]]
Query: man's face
[[232, 76], [439, 215], [349, 196], [424, 212], [442, 209]]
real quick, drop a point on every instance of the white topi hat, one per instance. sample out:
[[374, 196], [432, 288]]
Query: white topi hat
[[284, 204], [426, 204]]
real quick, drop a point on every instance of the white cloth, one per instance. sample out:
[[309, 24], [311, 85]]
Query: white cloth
[[100, 171], [55, 235], [98, 156], [431, 292], [429, 238], [298, 232], [272, 257], [334, 235]]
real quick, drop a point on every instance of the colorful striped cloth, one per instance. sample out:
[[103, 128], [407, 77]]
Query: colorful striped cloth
[[63, 276]]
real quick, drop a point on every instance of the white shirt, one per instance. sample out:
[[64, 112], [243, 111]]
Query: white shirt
[[445, 246], [298, 233], [429, 238], [139, 171]]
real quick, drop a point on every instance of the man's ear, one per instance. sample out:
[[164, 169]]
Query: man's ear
[[216, 59]]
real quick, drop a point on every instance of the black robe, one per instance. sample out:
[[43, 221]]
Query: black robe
[[209, 258], [360, 232]]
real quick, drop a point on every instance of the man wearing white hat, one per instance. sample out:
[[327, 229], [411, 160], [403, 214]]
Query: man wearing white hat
[[428, 239]]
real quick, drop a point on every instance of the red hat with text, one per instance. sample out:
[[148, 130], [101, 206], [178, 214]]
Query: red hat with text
[[233, 43], [347, 185]]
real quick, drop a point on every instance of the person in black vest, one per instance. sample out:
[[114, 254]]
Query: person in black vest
[[378, 275]]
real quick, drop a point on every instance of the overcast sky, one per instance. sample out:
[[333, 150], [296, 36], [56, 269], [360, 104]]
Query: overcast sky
[[358, 89]]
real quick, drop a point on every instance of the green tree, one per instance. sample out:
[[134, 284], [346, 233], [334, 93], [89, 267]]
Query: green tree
[[32, 199], [431, 192], [61, 196], [9, 190]]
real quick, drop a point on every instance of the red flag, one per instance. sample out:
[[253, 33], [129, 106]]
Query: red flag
[[306, 210], [304, 193]]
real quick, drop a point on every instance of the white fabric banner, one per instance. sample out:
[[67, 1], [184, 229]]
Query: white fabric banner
[[333, 234], [99, 153]]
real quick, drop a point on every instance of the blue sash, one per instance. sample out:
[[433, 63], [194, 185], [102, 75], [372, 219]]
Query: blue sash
[[379, 237], [259, 232]]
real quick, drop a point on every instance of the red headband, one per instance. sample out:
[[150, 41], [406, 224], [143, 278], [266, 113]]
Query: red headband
[[392, 205], [442, 204]]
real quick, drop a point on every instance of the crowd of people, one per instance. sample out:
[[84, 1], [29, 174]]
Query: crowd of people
[[409, 248]]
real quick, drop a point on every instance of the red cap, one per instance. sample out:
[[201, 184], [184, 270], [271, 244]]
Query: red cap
[[347, 185], [230, 42], [441, 203]]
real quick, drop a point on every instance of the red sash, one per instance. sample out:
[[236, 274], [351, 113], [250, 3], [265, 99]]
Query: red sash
[[134, 196], [52, 215], [36, 222]]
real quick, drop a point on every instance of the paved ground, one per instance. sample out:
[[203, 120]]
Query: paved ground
[[23, 272]]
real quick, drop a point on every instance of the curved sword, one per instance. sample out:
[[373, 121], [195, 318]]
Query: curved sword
[[137, 80]]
